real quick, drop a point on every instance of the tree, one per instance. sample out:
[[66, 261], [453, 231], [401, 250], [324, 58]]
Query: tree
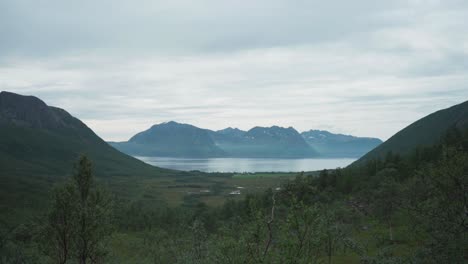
[[93, 215], [386, 198], [79, 218], [333, 229], [302, 233], [438, 202], [60, 229]]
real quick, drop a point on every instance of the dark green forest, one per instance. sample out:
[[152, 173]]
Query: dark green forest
[[398, 209]]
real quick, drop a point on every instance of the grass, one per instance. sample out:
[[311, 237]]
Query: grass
[[25, 193], [212, 189]]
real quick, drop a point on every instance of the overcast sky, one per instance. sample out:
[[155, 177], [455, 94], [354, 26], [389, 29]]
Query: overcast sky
[[367, 68]]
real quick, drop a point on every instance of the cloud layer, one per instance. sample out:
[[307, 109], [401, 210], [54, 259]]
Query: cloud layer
[[359, 67]]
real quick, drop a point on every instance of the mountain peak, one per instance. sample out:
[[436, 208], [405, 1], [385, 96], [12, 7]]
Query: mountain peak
[[49, 137], [13, 100], [274, 130], [164, 124], [30, 111], [171, 139], [171, 123], [230, 130]]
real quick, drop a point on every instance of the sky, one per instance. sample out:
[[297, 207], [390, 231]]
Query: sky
[[364, 67]]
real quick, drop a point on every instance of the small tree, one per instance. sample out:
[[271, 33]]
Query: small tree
[[301, 233], [60, 229], [79, 219], [386, 202]]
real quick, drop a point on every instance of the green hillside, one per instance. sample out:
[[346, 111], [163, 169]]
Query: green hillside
[[399, 209], [53, 139], [424, 132], [39, 145]]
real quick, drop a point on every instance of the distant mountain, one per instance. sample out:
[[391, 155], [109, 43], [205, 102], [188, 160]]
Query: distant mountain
[[264, 142], [171, 139], [231, 132], [337, 145], [424, 132], [182, 140], [37, 139]]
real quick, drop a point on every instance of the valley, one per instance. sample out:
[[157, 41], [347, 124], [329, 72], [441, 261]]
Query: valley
[[50, 160], [234, 132]]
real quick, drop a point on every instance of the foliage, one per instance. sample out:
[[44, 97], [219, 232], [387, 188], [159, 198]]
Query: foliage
[[79, 220], [399, 209]]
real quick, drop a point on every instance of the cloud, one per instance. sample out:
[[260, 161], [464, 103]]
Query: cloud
[[358, 67]]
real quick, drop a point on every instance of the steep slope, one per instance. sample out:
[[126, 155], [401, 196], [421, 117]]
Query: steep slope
[[337, 145], [39, 145], [171, 139], [424, 132], [36, 139]]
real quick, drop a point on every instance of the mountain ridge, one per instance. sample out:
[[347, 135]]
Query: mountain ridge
[[257, 142], [52, 138], [417, 133], [339, 145]]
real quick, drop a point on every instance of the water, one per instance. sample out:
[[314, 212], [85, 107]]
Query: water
[[246, 164]]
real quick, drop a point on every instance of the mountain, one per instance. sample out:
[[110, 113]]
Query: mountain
[[39, 139], [337, 145], [227, 136], [182, 140], [171, 139], [264, 142], [231, 132], [424, 132], [39, 145]]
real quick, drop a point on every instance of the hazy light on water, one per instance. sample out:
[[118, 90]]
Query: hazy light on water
[[246, 164]]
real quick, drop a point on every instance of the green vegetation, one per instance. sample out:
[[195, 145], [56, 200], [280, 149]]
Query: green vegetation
[[38, 146], [399, 208], [79, 221], [395, 210]]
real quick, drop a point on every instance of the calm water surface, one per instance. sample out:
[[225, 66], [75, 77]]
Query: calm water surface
[[246, 164]]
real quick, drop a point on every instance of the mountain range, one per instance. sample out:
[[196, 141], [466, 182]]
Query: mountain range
[[39, 145], [173, 139], [37, 139]]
